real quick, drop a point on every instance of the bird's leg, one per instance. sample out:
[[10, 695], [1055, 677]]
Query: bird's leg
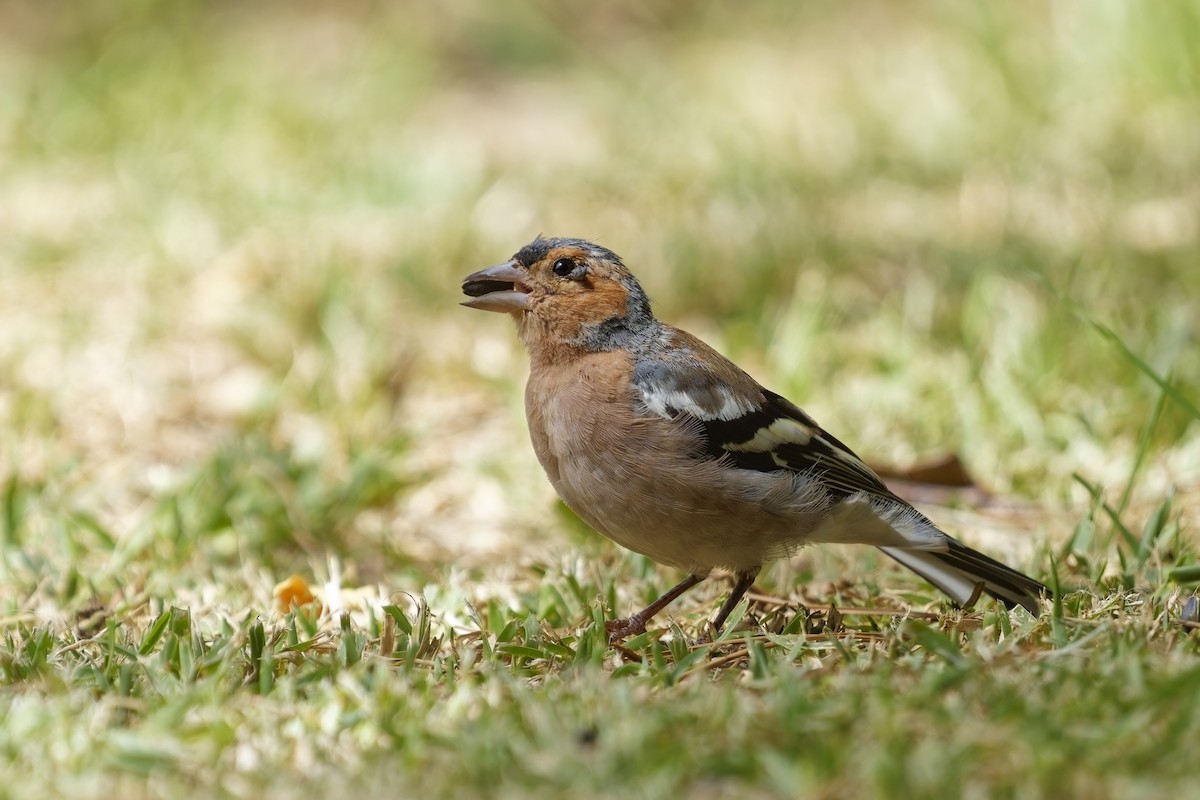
[[618, 629], [745, 580]]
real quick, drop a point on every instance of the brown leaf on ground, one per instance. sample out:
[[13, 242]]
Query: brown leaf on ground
[[945, 471], [940, 482]]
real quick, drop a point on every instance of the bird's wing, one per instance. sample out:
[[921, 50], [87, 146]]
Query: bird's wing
[[750, 427]]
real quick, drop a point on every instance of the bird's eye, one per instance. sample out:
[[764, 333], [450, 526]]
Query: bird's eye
[[564, 267]]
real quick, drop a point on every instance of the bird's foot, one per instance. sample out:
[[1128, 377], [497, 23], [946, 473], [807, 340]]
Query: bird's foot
[[619, 629]]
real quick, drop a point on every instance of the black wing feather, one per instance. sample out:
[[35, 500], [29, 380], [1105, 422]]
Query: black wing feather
[[842, 470]]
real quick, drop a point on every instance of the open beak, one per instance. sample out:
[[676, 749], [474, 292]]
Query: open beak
[[497, 288]]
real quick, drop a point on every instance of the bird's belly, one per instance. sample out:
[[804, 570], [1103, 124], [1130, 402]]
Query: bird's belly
[[693, 518]]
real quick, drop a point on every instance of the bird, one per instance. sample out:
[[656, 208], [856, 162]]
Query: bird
[[669, 449]]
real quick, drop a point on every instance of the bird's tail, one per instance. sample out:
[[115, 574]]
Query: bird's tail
[[958, 570]]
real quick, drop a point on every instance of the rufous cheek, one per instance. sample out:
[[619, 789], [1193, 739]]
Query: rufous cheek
[[604, 300]]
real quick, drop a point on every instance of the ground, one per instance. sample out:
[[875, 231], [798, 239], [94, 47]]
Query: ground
[[231, 239]]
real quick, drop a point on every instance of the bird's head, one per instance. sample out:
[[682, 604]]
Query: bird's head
[[564, 293]]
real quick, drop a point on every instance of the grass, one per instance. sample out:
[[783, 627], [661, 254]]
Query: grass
[[230, 352]]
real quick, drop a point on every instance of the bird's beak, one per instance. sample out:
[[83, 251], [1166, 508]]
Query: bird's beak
[[497, 288]]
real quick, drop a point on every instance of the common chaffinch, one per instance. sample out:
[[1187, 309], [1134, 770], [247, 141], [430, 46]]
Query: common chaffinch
[[669, 449]]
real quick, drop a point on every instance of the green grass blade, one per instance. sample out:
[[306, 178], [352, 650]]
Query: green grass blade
[[1167, 387], [155, 633]]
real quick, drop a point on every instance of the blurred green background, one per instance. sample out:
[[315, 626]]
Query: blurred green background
[[231, 240], [232, 234]]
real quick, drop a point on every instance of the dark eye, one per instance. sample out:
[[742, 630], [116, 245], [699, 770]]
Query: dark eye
[[564, 267]]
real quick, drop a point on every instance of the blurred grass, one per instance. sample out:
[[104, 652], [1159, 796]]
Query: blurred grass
[[230, 243]]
